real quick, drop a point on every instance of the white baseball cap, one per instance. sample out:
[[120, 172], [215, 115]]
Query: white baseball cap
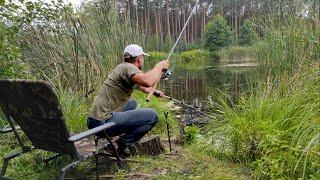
[[134, 50]]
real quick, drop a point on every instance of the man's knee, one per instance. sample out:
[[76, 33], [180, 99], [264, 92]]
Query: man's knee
[[133, 103], [153, 116]]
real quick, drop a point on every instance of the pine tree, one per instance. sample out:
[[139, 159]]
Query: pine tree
[[217, 34], [247, 34]]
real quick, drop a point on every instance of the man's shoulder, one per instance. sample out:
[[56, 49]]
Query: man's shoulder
[[126, 64]]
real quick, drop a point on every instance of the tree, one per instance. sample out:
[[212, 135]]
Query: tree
[[247, 34], [217, 34]]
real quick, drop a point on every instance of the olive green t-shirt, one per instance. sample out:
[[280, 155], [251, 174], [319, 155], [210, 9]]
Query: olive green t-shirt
[[115, 92]]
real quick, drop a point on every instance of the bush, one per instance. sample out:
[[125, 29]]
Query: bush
[[194, 59], [276, 130], [217, 34], [247, 35], [191, 133], [238, 53], [168, 43], [195, 55]]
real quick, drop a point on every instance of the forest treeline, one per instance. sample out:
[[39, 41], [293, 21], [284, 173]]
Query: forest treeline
[[162, 20]]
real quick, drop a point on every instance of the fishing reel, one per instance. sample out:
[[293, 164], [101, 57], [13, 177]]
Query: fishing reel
[[166, 75]]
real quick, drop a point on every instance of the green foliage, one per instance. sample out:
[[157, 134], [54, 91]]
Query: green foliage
[[75, 110], [153, 43], [9, 53], [275, 126], [191, 133], [161, 106], [247, 35], [80, 55], [238, 53], [195, 59], [198, 44], [15, 18], [290, 47], [195, 55], [156, 56], [168, 43], [276, 129], [217, 34]]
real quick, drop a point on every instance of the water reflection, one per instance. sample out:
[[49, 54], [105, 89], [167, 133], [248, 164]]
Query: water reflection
[[196, 87]]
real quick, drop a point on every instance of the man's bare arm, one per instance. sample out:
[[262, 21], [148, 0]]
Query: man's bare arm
[[145, 89], [151, 77], [148, 89]]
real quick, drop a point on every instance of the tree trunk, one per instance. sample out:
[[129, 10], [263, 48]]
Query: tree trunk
[[150, 146], [137, 18], [168, 19]]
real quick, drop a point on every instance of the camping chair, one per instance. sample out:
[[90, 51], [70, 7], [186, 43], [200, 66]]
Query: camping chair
[[8, 130], [34, 106]]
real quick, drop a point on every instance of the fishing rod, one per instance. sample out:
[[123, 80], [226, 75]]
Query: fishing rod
[[182, 104], [168, 73]]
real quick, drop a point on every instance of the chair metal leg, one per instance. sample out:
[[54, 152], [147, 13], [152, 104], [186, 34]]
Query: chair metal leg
[[10, 156], [8, 130], [96, 153], [119, 161], [52, 158], [67, 168]]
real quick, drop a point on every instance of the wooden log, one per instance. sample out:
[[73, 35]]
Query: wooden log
[[150, 146]]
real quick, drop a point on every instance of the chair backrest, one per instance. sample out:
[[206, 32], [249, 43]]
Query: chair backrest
[[34, 106]]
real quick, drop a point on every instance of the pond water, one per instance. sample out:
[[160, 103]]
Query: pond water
[[198, 86]]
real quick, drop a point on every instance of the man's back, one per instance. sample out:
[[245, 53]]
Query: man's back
[[115, 92]]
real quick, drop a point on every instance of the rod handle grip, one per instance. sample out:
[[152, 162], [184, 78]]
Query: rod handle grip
[[152, 91]]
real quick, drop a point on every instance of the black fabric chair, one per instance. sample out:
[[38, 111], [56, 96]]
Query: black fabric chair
[[34, 106], [5, 130]]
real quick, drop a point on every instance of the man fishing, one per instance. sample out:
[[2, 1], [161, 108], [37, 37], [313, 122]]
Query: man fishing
[[113, 103]]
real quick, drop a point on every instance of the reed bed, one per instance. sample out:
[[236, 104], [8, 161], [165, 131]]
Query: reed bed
[[78, 50], [275, 127]]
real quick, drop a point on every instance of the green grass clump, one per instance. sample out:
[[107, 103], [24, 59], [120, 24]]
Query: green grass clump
[[277, 129], [161, 106], [195, 59], [238, 53], [192, 162], [75, 109]]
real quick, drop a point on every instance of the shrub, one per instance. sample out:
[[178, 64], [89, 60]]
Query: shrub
[[217, 34], [247, 35], [238, 53], [191, 133], [195, 55]]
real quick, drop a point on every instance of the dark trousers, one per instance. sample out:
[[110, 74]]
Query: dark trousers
[[132, 123]]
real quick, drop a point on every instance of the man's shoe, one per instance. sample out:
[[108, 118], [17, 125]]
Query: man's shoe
[[109, 150], [124, 152]]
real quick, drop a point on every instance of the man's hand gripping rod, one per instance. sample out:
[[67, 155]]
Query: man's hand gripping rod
[[174, 46]]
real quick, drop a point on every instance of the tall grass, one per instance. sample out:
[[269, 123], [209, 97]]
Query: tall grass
[[290, 45], [275, 128], [79, 50]]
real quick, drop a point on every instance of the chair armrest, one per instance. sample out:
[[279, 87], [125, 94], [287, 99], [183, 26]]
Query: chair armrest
[[90, 132], [7, 130]]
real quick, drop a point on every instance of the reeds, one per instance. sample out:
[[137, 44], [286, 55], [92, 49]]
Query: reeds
[[79, 50], [276, 129]]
